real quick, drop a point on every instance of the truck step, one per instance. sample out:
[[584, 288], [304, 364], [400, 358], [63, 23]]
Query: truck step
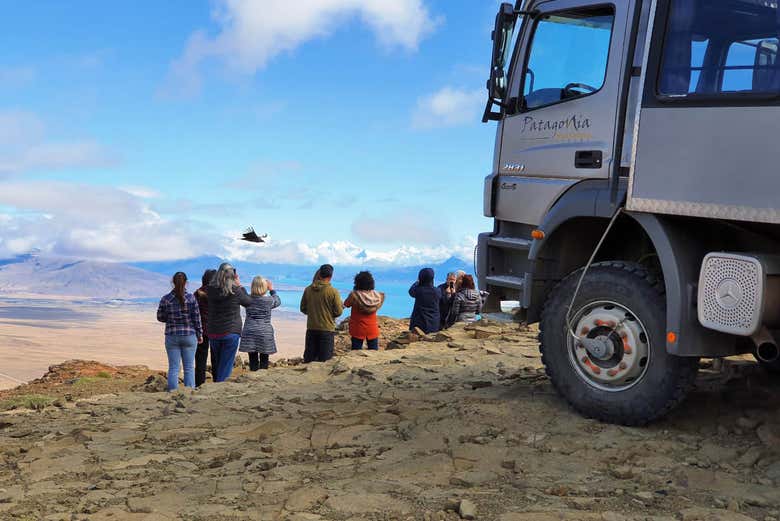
[[504, 318], [510, 243], [506, 281]]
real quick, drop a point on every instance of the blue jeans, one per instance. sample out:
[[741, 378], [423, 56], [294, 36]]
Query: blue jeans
[[226, 349], [181, 350]]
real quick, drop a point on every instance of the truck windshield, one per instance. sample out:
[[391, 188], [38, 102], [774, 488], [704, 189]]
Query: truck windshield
[[568, 57], [725, 48]]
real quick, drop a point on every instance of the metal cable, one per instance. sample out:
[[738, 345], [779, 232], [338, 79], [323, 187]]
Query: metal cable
[[585, 272]]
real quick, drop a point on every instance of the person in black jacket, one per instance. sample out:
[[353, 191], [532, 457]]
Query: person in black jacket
[[226, 295], [427, 299]]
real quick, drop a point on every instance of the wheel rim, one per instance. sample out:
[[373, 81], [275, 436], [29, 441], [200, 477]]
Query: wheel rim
[[620, 357]]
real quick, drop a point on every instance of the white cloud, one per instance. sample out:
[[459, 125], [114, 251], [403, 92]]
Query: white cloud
[[144, 192], [92, 222], [345, 253], [251, 33], [25, 147], [449, 107], [113, 224], [403, 225]]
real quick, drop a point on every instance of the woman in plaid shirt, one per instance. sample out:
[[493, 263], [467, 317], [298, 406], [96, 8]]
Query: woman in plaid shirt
[[183, 331]]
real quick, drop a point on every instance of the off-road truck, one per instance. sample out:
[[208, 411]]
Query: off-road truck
[[635, 192]]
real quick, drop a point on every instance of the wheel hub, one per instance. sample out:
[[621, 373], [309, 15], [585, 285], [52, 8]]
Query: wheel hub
[[600, 347], [611, 351]]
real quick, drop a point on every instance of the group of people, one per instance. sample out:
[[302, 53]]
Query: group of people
[[439, 307], [209, 321]]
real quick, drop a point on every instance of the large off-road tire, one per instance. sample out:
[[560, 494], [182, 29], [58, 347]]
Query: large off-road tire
[[634, 381]]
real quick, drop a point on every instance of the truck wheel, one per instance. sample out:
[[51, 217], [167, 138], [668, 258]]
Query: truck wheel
[[627, 377]]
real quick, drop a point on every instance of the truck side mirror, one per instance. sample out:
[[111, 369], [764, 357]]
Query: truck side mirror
[[502, 38]]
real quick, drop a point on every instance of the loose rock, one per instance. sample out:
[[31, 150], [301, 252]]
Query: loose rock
[[467, 509]]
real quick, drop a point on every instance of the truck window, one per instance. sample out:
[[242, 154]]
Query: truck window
[[720, 48], [568, 57]]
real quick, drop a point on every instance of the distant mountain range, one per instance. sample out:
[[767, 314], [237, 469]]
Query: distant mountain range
[[194, 269], [41, 275], [78, 278]]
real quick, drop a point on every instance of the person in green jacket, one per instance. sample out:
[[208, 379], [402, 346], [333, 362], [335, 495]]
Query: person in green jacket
[[321, 303]]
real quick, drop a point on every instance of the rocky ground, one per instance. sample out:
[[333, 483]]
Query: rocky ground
[[461, 427]]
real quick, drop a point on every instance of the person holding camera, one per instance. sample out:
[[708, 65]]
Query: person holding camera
[[258, 339], [225, 295], [448, 291], [467, 304]]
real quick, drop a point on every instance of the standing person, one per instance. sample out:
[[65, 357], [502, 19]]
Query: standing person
[[257, 338], [365, 301], [202, 352], [467, 303], [179, 310], [225, 297], [427, 298], [448, 291], [321, 303]]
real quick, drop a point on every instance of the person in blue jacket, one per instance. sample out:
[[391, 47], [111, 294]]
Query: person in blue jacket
[[427, 297]]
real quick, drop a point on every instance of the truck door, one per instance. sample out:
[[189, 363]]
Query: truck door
[[562, 130]]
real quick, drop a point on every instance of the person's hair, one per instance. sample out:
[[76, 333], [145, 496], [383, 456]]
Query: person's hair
[[426, 277], [452, 274], [207, 276], [325, 271], [259, 286], [364, 281], [179, 285], [467, 282], [225, 279]]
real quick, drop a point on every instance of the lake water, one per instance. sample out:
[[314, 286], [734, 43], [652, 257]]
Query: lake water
[[398, 303]]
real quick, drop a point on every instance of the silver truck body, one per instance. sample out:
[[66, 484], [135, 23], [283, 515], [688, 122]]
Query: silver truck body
[[656, 116]]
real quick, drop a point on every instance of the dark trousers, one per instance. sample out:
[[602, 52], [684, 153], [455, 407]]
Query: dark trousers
[[319, 346], [372, 343], [258, 361], [214, 360], [201, 358]]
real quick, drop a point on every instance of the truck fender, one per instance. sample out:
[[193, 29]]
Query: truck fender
[[581, 200], [680, 256]]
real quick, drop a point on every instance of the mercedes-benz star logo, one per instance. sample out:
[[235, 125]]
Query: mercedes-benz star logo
[[729, 294]]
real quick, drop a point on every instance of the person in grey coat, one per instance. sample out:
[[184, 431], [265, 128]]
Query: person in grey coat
[[257, 338], [467, 303]]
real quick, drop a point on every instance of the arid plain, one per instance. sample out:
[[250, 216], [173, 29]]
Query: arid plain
[[36, 333]]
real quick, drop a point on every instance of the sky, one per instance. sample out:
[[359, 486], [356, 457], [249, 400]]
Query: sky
[[147, 130]]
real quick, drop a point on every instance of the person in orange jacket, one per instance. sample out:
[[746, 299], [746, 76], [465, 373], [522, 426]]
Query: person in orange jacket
[[365, 301]]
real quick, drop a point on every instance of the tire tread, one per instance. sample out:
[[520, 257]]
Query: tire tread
[[688, 366]]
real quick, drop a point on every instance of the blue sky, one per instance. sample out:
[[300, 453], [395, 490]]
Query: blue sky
[[158, 130]]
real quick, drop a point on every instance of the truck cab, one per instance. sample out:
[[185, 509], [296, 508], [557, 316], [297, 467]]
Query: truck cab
[[634, 192]]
